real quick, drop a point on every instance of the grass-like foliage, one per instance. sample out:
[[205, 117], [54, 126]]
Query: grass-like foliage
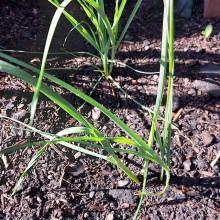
[[100, 33], [87, 134]]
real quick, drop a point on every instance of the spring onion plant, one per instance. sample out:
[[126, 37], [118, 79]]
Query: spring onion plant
[[87, 134], [100, 32]]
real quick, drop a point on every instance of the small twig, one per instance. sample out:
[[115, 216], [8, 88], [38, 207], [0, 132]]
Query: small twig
[[65, 170], [58, 151], [177, 114], [215, 160], [5, 161]]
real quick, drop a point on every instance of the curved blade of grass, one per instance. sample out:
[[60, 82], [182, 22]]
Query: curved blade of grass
[[52, 69], [6, 67], [52, 53], [39, 153], [77, 140], [82, 22], [137, 71], [56, 138], [137, 5], [66, 131], [118, 13], [30, 164], [143, 147], [115, 29], [74, 53], [52, 137], [47, 91], [113, 159], [53, 25], [77, 130], [80, 28], [93, 89]]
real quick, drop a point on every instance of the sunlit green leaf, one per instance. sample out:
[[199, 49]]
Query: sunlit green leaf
[[207, 32]]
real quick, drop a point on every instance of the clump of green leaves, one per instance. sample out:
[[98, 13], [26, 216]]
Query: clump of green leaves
[[87, 134], [208, 30], [102, 35]]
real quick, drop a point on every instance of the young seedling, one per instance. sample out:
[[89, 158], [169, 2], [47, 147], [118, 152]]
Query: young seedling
[[208, 30]]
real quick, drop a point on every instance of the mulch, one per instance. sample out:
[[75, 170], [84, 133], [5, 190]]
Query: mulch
[[70, 185]]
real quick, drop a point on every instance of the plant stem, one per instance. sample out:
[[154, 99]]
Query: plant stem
[[143, 190]]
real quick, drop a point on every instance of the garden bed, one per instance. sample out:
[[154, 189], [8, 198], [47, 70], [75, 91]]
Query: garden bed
[[69, 185]]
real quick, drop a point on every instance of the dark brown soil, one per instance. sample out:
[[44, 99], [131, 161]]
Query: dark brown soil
[[91, 188]]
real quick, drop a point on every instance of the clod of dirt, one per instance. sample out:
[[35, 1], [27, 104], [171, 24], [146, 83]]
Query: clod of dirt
[[202, 165], [77, 169], [96, 113], [9, 106], [20, 114], [124, 195], [207, 138], [176, 103], [208, 86], [187, 165], [110, 216]]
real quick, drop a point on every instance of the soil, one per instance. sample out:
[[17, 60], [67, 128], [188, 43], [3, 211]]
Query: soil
[[94, 189]]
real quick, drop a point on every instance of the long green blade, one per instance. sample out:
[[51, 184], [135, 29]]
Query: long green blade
[[53, 25]]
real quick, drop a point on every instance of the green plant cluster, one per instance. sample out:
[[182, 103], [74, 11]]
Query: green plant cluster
[[106, 42]]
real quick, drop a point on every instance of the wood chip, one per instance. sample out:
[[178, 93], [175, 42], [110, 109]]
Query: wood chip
[[110, 216], [96, 113], [128, 42], [215, 160], [122, 183], [65, 169], [177, 115], [5, 161], [134, 82], [96, 207], [207, 138], [206, 173]]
